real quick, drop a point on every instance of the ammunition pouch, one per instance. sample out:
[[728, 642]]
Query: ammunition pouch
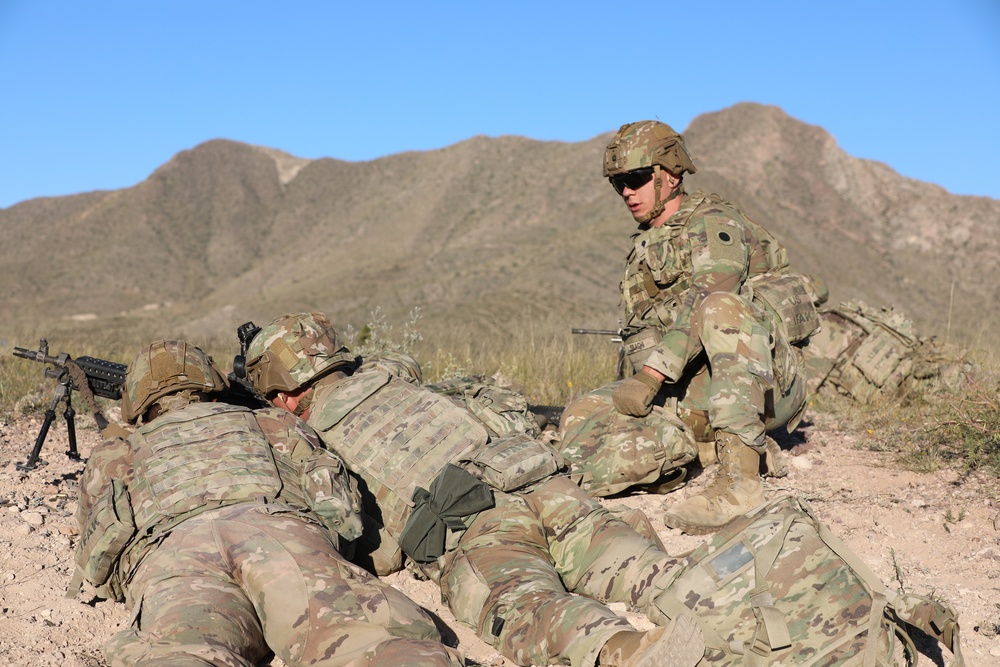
[[515, 461], [109, 528]]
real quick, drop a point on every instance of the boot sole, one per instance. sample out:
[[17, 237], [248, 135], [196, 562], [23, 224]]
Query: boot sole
[[681, 645], [680, 524]]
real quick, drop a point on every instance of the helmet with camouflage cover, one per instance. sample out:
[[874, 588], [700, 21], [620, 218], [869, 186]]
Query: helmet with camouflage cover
[[648, 144], [166, 367], [294, 350]]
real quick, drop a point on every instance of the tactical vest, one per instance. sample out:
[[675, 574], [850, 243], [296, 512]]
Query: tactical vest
[[401, 439], [395, 436], [201, 457], [658, 270]]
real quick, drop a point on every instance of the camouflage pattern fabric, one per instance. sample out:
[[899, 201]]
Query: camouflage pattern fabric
[[398, 364], [226, 585], [707, 246], [608, 452], [776, 587], [299, 348], [502, 410], [531, 575], [866, 353], [229, 585], [862, 351], [191, 459], [644, 144], [166, 367], [546, 550], [725, 356], [394, 435]]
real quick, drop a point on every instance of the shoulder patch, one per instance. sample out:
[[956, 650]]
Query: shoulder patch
[[723, 239]]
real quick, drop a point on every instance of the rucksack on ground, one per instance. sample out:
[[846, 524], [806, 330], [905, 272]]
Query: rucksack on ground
[[776, 587]]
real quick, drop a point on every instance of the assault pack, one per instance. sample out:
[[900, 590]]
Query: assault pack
[[861, 351], [776, 587]]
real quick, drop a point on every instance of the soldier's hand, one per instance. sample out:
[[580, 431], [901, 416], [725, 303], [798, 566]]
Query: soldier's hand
[[635, 395]]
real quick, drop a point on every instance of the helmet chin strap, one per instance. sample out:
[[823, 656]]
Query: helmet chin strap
[[659, 204]]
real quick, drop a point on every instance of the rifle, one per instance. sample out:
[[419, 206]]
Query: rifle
[[91, 376], [616, 337], [87, 375]]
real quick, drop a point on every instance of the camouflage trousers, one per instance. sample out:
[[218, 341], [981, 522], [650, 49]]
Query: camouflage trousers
[[745, 381], [533, 574], [231, 585]]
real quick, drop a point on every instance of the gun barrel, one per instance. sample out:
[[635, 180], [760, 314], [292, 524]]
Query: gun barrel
[[37, 355], [595, 332]]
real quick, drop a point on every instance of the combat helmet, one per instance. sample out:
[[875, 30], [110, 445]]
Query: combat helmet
[[294, 350], [648, 144], [166, 367]]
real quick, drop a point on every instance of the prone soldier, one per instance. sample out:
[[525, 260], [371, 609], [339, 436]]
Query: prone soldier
[[522, 555], [219, 526]]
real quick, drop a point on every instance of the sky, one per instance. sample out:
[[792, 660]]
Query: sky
[[97, 95]]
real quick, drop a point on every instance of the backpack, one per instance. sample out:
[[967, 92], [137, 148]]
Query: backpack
[[861, 351], [776, 587]]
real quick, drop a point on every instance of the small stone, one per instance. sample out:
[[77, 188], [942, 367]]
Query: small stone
[[802, 463], [34, 518]]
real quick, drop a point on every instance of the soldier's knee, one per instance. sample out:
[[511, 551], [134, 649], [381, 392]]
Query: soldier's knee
[[722, 309]]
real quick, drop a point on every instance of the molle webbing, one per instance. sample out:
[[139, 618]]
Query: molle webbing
[[199, 458], [398, 437]]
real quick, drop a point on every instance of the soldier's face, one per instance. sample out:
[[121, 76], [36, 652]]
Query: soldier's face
[[641, 199]]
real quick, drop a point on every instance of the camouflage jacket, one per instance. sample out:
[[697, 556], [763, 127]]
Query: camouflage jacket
[[707, 246]]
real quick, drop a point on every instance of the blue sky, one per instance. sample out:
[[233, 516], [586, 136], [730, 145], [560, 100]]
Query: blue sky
[[97, 95]]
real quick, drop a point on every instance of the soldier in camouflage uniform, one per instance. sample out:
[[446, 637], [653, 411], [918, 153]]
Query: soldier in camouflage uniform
[[521, 554], [712, 318], [219, 527]]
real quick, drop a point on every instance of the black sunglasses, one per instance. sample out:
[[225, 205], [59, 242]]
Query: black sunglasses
[[633, 180]]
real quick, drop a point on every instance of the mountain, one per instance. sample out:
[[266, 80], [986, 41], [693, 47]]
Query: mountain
[[487, 236]]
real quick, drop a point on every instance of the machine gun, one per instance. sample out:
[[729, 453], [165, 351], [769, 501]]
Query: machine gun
[[616, 337], [87, 375], [91, 376]]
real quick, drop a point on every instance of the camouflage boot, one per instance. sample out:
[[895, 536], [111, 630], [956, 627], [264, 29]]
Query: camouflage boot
[[679, 644], [736, 489]]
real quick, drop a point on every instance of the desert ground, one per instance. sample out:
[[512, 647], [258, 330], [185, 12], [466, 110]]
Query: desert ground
[[928, 532]]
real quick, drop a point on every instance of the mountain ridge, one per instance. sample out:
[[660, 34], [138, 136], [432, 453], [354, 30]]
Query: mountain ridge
[[498, 234]]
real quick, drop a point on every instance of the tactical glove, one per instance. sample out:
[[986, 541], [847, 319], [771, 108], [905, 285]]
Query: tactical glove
[[635, 395]]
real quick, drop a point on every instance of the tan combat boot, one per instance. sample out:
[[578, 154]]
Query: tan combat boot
[[679, 644], [707, 456], [736, 489]]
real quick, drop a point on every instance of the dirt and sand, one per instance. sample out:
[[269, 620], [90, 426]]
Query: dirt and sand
[[931, 533]]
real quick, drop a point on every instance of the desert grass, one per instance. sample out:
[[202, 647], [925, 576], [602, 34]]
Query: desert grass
[[932, 427], [927, 430]]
